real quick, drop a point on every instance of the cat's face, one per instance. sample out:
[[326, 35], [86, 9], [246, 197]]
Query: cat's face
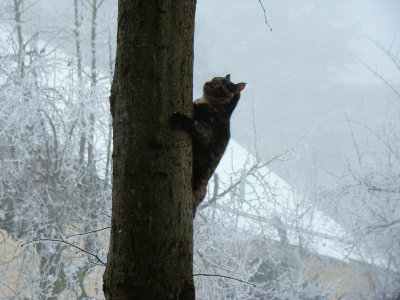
[[222, 87]]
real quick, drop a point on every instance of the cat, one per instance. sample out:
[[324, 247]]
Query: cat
[[209, 129]]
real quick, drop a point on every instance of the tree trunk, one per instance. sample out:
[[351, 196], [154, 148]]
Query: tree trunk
[[150, 254], [17, 12], [82, 122]]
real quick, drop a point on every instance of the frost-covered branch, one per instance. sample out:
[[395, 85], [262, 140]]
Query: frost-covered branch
[[64, 241]]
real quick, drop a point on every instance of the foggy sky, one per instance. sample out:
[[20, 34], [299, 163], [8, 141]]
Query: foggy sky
[[302, 78]]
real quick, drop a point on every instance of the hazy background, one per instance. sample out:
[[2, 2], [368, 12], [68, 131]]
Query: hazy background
[[307, 78], [304, 78], [322, 87]]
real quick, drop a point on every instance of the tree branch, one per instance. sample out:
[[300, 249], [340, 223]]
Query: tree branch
[[88, 232], [394, 90], [62, 240], [265, 14]]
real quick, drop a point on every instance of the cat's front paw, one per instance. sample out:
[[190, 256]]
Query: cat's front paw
[[177, 119]]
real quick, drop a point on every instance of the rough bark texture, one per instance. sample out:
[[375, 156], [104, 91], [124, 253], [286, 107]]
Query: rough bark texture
[[150, 254]]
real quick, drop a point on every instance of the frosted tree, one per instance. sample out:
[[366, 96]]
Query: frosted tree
[[367, 192], [55, 174], [48, 186], [253, 233]]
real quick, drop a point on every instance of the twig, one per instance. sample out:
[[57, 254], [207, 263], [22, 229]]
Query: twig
[[354, 138], [94, 265], [265, 14], [386, 51], [394, 90], [105, 215], [224, 276], [251, 171], [88, 232], [62, 240]]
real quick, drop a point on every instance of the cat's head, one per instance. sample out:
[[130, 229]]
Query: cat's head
[[222, 88]]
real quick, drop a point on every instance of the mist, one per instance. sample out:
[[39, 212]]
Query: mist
[[304, 204], [305, 78]]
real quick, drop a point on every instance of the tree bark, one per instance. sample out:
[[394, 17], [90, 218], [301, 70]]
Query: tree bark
[[150, 254]]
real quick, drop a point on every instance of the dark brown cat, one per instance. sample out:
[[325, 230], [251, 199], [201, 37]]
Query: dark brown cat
[[209, 129]]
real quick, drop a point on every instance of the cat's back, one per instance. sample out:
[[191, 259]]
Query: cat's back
[[207, 111]]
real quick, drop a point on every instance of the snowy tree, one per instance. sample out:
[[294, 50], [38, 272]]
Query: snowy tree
[[48, 186], [253, 231], [367, 193]]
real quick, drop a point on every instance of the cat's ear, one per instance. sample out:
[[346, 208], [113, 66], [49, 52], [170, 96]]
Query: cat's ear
[[228, 76], [240, 86]]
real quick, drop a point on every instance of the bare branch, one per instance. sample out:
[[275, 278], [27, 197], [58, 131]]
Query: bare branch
[[386, 51], [354, 138], [62, 240], [88, 232], [104, 214], [394, 90], [265, 14]]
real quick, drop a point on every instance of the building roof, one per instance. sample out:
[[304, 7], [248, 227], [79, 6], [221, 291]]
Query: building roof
[[267, 204]]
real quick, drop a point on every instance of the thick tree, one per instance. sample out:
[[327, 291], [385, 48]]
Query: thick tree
[[150, 254]]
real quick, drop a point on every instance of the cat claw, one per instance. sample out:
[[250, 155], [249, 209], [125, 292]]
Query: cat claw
[[177, 118]]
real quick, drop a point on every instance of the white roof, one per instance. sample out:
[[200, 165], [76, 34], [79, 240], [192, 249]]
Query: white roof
[[268, 198]]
